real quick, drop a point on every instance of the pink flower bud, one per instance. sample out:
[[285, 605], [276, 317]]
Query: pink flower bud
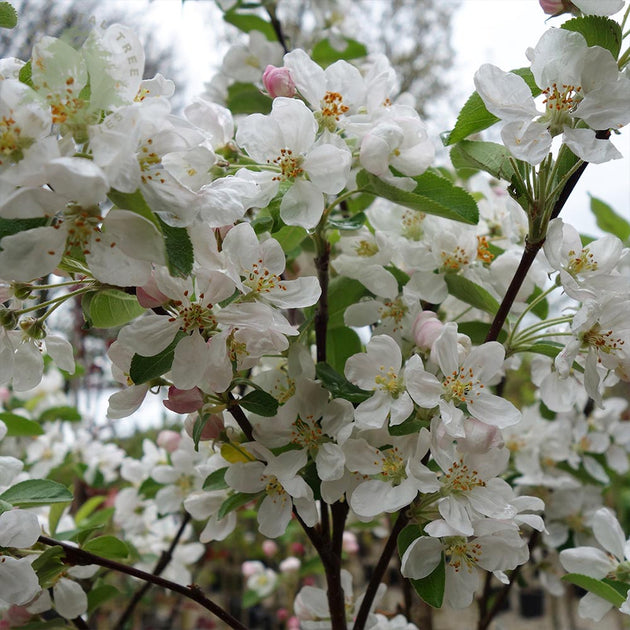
[[149, 295], [184, 400], [278, 82], [350, 543], [282, 614], [297, 549], [426, 329], [169, 440], [211, 429], [554, 7], [270, 548], [293, 624]]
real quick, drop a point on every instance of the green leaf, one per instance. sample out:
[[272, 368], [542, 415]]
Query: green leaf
[[247, 22], [246, 98], [250, 598], [353, 222], [67, 413], [8, 15], [471, 293], [547, 348], [324, 53], [111, 307], [542, 308], [179, 249], [107, 547], [34, 492], [216, 480], [49, 565], [200, 422], [262, 224], [338, 386], [410, 425], [145, 369], [433, 194], [608, 220], [233, 502], [26, 74], [342, 292], [474, 117], [260, 403], [100, 595], [290, 237], [597, 587], [135, 203], [484, 156], [9, 227], [341, 343], [17, 426], [478, 331], [88, 508], [430, 588], [54, 516], [597, 30]]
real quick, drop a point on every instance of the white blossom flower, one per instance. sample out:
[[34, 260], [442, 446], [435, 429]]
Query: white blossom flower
[[580, 83]]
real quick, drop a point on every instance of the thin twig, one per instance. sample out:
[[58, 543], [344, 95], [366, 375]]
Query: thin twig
[[241, 419], [77, 556], [497, 604], [162, 563], [379, 570]]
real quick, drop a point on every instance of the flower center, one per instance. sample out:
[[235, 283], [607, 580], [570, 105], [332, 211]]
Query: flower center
[[559, 102], [195, 316], [274, 488], [261, 280], [461, 554], [83, 227], [602, 341], [459, 479], [584, 261], [290, 166], [306, 433], [394, 310], [366, 248], [332, 110], [412, 225], [460, 384], [389, 382], [392, 466], [483, 250], [455, 260], [11, 144]]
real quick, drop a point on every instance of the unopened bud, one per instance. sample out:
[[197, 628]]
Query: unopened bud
[[168, 440], [212, 426], [22, 291], [8, 318], [149, 295], [278, 82], [426, 329], [555, 7], [184, 400], [33, 328]]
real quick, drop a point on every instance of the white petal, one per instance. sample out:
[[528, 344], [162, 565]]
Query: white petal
[[421, 557], [302, 204], [70, 599], [19, 528]]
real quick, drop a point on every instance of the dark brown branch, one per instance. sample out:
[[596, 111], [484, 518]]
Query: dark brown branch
[[497, 604], [379, 570], [241, 419], [78, 556], [321, 316], [162, 563], [277, 27]]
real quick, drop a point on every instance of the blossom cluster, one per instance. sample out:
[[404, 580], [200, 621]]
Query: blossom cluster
[[319, 304]]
